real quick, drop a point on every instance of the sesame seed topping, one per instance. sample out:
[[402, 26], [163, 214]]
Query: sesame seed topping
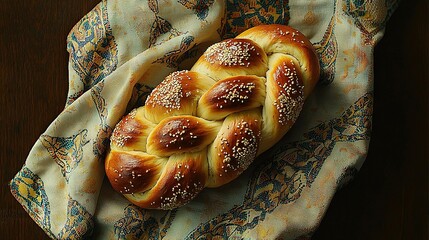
[[169, 92], [230, 53], [237, 147], [291, 97], [133, 113], [179, 175], [118, 138], [280, 31], [180, 194], [122, 131], [238, 153], [237, 92]]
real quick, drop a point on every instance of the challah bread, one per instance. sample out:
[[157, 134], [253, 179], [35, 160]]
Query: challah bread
[[204, 127]]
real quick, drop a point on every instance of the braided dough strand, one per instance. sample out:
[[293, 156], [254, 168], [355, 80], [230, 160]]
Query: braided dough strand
[[204, 127]]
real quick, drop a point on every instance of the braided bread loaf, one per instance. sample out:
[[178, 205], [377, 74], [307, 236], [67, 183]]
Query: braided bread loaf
[[203, 127]]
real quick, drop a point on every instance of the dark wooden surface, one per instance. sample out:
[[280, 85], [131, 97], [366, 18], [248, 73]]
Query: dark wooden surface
[[387, 200]]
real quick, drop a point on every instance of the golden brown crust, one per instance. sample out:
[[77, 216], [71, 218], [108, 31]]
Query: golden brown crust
[[231, 95], [232, 57], [184, 176], [181, 134], [178, 94], [132, 172], [132, 131], [285, 98], [235, 147], [276, 38], [204, 127]]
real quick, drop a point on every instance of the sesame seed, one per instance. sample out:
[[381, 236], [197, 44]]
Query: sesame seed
[[243, 150], [168, 93], [230, 53], [237, 92], [291, 97], [180, 194]]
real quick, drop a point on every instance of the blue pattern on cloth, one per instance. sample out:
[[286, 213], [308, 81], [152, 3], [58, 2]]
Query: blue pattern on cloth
[[294, 166], [71, 152], [92, 48], [79, 224], [29, 190]]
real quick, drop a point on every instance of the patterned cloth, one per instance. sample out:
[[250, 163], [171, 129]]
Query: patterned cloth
[[122, 49]]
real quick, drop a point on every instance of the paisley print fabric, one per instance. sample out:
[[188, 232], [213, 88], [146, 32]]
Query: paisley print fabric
[[327, 49], [294, 166], [79, 224], [199, 7], [92, 48], [370, 16], [244, 14], [101, 143], [122, 49], [67, 152], [138, 223], [29, 190]]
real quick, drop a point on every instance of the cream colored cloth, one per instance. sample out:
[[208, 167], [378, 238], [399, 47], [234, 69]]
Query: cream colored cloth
[[122, 49]]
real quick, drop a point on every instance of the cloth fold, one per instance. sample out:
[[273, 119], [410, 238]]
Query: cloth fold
[[122, 49]]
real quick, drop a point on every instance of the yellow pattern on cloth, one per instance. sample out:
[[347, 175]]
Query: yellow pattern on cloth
[[122, 49]]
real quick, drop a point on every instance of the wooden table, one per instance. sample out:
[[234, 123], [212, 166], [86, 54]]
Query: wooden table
[[387, 200]]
